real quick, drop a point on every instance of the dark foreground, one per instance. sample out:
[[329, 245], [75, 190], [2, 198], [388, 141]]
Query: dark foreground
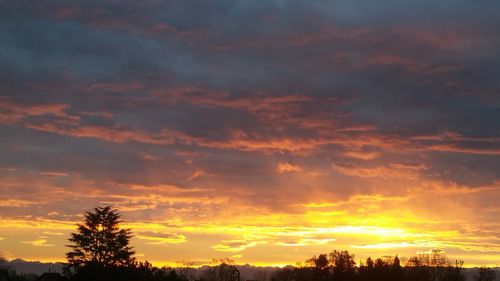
[[336, 266]]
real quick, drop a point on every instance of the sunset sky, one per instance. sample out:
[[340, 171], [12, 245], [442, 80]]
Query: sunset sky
[[261, 131]]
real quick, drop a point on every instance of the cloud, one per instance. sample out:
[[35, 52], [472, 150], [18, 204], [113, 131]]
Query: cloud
[[53, 174], [362, 155], [395, 170], [15, 203], [116, 87], [233, 245], [112, 134], [53, 233], [157, 238], [390, 245], [39, 242], [305, 242], [12, 112], [287, 168]]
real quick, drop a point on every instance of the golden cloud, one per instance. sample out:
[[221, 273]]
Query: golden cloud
[[233, 245], [288, 168], [158, 238], [39, 242]]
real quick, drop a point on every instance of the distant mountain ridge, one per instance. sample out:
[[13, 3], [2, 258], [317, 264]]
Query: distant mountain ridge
[[36, 267]]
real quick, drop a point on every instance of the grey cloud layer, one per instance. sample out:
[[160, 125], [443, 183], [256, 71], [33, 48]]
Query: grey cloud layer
[[215, 94]]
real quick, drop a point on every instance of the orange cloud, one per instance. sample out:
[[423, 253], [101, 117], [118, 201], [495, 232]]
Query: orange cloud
[[288, 168], [12, 112], [362, 155], [113, 134], [40, 242], [396, 171], [53, 174]]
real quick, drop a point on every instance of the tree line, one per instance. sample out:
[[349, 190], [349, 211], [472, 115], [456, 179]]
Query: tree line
[[100, 251], [341, 266]]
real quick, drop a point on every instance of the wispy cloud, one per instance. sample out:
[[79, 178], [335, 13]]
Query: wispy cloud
[[157, 238], [233, 245], [288, 168], [41, 241]]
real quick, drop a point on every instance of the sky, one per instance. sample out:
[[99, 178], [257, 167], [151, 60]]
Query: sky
[[261, 131]]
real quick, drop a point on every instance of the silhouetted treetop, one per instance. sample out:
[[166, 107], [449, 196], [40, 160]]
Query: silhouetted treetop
[[100, 242]]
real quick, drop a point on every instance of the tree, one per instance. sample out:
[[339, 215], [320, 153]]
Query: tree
[[396, 269], [343, 265], [485, 274], [320, 262], [320, 270], [366, 271], [100, 242], [3, 262], [221, 272]]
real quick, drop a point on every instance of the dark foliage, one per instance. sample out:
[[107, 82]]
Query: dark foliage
[[135, 272], [51, 276], [100, 251], [222, 272], [485, 274], [11, 275], [99, 242], [340, 266]]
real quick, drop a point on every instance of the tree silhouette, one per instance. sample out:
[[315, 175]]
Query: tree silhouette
[[320, 266], [485, 274], [100, 242], [2, 262], [396, 270], [343, 265], [222, 272]]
